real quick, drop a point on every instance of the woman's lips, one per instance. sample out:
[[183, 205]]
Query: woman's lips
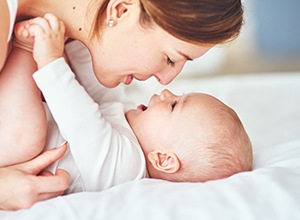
[[128, 79]]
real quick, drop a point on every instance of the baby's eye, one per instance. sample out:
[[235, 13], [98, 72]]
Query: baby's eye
[[170, 62], [173, 105]]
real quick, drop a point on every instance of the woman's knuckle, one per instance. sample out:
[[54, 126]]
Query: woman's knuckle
[[28, 188], [64, 183]]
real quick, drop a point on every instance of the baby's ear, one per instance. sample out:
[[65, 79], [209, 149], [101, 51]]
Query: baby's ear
[[164, 162]]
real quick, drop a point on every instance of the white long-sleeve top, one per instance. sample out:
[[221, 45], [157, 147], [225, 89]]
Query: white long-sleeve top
[[12, 7], [103, 150]]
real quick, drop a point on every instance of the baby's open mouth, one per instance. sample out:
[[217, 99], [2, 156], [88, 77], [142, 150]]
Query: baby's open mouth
[[142, 107]]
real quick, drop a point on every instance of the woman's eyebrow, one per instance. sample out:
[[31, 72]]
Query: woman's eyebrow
[[185, 56]]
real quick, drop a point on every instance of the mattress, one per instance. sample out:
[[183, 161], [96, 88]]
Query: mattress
[[269, 107]]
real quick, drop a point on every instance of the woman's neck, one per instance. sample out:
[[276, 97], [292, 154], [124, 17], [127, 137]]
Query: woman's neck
[[72, 13]]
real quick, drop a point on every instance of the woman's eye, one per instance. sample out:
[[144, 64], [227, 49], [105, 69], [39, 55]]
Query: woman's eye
[[173, 105], [170, 62]]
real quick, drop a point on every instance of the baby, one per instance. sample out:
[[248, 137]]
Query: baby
[[193, 138]]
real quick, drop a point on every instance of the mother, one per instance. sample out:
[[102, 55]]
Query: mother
[[127, 39]]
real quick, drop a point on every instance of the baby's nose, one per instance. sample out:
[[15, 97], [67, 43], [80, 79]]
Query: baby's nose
[[165, 94]]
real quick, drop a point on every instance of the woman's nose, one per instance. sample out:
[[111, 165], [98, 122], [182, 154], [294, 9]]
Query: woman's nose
[[165, 78]]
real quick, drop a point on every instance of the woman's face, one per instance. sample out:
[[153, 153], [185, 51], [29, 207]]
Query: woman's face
[[128, 51]]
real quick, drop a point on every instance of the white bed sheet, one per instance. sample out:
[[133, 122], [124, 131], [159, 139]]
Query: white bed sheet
[[268, 105]]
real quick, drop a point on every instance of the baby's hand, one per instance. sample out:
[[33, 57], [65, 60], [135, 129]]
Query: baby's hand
[[48, 33], [22, 38]]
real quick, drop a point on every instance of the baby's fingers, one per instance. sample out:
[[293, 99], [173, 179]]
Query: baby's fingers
[[42, 22], [21, 29], [36, 31], [53, 21]]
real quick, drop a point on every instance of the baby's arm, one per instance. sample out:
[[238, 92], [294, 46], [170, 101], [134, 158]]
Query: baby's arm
[[103, 152], [96, 146], [78, 117]]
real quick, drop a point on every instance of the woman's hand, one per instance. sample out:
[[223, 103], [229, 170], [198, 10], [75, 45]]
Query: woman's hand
[[24, 184]]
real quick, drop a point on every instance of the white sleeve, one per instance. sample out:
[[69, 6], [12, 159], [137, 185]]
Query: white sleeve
[[81, 63], [102, 154], [71, 106]]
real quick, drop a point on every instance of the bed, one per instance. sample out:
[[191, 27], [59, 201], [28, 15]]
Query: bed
[[268, 105]]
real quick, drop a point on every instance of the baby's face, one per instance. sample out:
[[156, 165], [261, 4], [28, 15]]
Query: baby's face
[[169, 119]]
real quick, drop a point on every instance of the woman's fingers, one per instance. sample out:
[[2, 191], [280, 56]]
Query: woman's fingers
[[39, 163], [52, 184], [21, 187], [45, 196], [45, 173]]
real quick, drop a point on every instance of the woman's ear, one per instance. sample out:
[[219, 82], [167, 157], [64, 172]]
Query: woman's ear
[[116, 9], [164, 162]]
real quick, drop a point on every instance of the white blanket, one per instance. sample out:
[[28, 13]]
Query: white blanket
[[268, 105]]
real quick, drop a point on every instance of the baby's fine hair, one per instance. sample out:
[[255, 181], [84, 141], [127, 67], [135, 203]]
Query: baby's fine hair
[[225, 150], [194, 21]]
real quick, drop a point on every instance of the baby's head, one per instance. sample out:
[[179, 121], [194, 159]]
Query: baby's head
[[190, 138]]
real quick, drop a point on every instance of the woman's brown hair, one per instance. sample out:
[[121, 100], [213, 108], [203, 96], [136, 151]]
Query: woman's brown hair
[[194, 21]]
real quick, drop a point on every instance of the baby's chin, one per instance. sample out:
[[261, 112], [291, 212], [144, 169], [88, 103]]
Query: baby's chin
[[132, 116]]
